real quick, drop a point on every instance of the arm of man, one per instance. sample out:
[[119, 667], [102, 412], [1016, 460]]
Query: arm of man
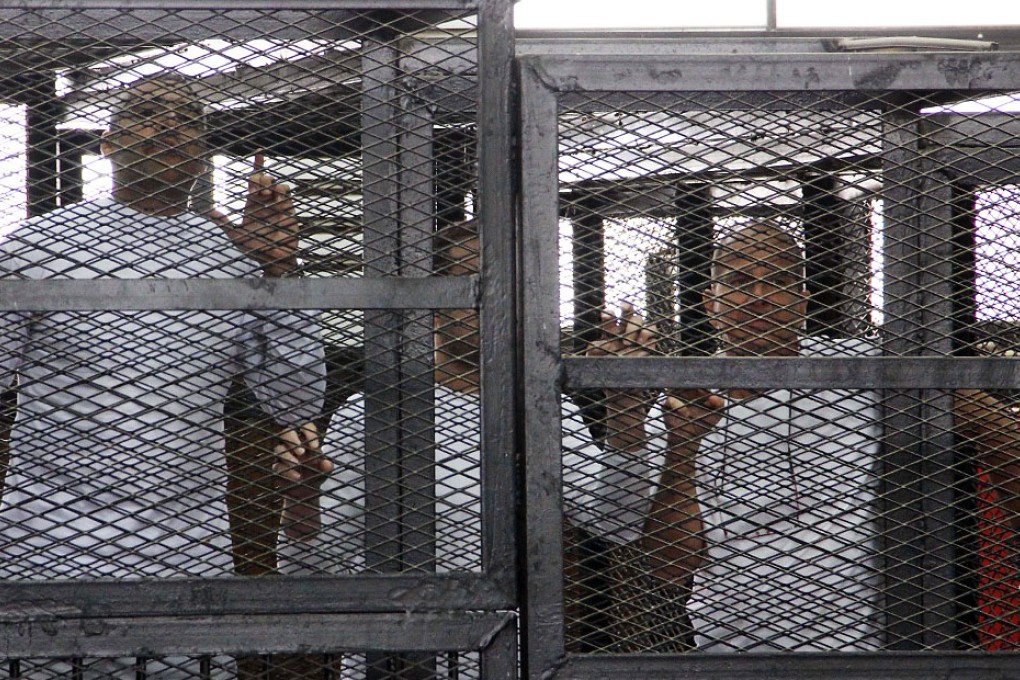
[[674, 530], [985, 421], [288, 373]]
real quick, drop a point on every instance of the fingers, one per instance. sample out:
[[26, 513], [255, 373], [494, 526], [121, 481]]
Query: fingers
[[692, 411], [289, 453], [299, 458], [313, 453], [263, 185], [625, 335]]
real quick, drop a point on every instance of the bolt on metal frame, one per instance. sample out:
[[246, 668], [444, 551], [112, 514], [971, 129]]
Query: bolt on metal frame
[[920, 363]]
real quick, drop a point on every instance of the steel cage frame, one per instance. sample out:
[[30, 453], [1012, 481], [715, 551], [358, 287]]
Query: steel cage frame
[[556, 76], [454, 612]]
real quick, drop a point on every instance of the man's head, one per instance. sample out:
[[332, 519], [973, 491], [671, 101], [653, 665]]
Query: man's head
[[156, 132], [757, 301]]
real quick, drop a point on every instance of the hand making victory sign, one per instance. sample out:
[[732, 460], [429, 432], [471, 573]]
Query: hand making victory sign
[[626, 410]]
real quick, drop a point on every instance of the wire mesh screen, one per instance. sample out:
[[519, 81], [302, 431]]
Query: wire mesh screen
[[237, 146], [732, 519], [339, 665]]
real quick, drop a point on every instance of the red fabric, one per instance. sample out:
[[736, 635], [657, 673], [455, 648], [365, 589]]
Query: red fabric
[[998, 577]]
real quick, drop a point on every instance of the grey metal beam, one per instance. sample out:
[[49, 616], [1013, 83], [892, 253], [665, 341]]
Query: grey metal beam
[[785, 666], [537, 43], [863, 373], [499, 656], [981, 131], [878, 72], [417, 208], [320, 293], [227, 5], [265, 595], [917, 457], [383, 355], [782, 39], [496, 198], [276, 633], [979, 166], [544, 612], [105, 27]]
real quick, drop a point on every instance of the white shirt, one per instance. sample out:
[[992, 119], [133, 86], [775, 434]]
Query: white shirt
[[341, 545], [787, 486], [117, 466]]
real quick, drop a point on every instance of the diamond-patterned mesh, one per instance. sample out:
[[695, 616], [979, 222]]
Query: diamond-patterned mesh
[[787, 519], [115, 468], [355, 666]]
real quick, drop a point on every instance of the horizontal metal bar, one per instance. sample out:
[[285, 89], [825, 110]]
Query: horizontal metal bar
[[978, 131], [447, 292], [762, 40], [980, 166], [793, 373], [226, 5], [873, 72], [810, 666], [277, 633], [236, 596]]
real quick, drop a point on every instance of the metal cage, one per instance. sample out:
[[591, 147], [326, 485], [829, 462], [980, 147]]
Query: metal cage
[[389, 122], [842, 506]]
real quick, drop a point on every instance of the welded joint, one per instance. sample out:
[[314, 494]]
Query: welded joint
[[423, 596], [535, 67], [508, 618], [554, 669]]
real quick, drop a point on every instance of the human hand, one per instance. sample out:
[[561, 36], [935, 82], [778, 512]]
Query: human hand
[[689, 415], [625, 336], [302, 469], [269, 227]]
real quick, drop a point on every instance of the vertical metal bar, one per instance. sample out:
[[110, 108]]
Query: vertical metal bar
[[824, 246], [938, 481], [42, 152], [693, 233], [499, 658], [498, 315], [417, 405], [964, 315], [381, 243], [72, 182], [918, 461], [588, 250], [588, 246], [454, 171], [771, 16], [543, 625], [964, 268]]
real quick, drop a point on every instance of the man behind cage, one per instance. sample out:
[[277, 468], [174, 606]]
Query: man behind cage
[[344, 541], [117, 452], [765, 500]]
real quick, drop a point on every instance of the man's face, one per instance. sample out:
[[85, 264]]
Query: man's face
[[157, 133], [757, 301]]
